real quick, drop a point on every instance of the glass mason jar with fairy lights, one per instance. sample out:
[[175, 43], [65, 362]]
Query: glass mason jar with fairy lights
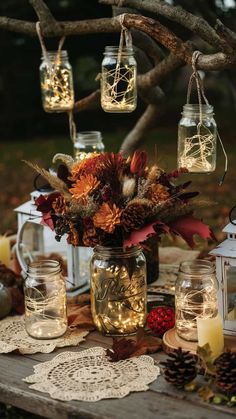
[[197, 138], [119, 80], [56, 82], [118, 290], [87, 142], [195, 296], [45, 300]]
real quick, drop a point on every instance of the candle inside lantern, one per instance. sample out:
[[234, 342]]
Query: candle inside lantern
[[210, 330], [5, 250]]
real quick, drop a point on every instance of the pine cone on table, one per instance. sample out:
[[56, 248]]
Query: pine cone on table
[[180, 368], [226, 372]]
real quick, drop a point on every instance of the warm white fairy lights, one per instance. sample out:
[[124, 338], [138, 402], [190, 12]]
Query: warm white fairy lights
[[197, 153]]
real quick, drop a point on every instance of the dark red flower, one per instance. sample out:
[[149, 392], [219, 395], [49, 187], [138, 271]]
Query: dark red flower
[[44, 202], [138, 162]]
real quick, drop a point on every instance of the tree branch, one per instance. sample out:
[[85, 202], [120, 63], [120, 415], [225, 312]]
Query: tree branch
[[160, 71], [226, 33], [44, 14], [151, 27], [177, 14], [88, 102], [135, 136]]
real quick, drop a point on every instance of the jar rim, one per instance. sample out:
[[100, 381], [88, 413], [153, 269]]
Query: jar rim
[[53, 53], [89, 137], [195, 108], [117, 251], [45, 267], [114, 49], [197, 267]]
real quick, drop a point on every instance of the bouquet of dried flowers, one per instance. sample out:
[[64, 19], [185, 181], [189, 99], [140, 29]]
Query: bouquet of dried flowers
[[110, 200]]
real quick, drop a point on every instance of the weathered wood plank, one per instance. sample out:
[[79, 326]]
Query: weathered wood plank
[[161, 401]]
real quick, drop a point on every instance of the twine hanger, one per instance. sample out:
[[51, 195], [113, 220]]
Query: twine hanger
[[195, 76]]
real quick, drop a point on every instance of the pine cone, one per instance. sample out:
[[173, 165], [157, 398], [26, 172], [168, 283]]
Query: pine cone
[[226, 372], [180, 368], [134, 216]]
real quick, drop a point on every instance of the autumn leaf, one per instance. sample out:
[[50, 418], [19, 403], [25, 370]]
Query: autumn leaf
[[186, 227], [139, 236], [205, 355], [121, 349], [79, 315], [206, 393], [127, 348]]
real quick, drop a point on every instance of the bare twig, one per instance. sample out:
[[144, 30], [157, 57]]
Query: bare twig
[[226, 33]]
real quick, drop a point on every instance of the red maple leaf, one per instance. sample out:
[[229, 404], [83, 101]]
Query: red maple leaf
[[186, 227]]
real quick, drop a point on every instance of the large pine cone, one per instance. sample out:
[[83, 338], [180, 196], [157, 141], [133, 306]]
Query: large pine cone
[[226, 372], [180, 368], [134, 216]]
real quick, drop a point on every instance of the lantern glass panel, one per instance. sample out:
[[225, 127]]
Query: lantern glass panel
[[230, 307]]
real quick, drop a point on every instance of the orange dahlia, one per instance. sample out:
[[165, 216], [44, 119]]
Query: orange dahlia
[[107, 217], [84, 186], [85, 166]]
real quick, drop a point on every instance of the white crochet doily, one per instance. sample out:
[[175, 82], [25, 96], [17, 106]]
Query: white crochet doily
[[90, 376], [13, 336]]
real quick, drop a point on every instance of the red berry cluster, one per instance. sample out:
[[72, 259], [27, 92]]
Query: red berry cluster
[[161, 319]]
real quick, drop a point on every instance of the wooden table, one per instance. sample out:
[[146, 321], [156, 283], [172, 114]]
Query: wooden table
[[161, 401]]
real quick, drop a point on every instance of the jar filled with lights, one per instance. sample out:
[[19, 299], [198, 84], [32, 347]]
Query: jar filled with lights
[[195, 297], [87, 142], [56, 82], [118, 290], [119, 80], [45, 300]]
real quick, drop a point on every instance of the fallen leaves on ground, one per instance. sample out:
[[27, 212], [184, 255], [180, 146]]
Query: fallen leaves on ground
[[80, 316], [124, 348]]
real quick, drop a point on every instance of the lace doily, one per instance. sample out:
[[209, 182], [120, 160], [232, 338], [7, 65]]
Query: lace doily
[[13, 336], [90, 376]]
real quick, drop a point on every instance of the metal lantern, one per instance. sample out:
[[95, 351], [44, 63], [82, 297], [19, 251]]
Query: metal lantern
[[225, 254], [35, 240]]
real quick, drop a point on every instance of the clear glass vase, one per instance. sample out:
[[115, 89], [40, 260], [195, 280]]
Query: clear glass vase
[[45, 300], [118, 80], [118, 290], [56, 82], [195, 297]]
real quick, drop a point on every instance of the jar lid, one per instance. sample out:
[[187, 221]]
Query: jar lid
[[89, 137], [53, 54]]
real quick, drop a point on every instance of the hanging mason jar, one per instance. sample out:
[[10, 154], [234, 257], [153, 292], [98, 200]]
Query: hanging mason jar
[[87, 142], [118, 290], [195, 297], [56, 82], [197, 139], [119, 80], [45, 300]]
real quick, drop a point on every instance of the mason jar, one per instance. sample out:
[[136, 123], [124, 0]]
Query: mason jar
[[45, 300], [119, 80], [195, 296], [56, 82], [118, 290], [197, 139], [87, 142]]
